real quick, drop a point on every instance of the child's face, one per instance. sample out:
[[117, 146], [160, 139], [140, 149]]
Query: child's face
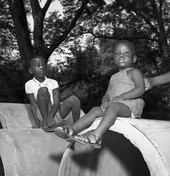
[[38, 67], [123, 56]]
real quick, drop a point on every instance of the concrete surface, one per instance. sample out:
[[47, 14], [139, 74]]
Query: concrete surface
[[18, 115], [31, 152], [25, 151], [132, 147]]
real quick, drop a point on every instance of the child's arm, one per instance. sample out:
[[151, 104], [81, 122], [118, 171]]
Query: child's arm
[[33, 106], [56, 105], [139, 89]]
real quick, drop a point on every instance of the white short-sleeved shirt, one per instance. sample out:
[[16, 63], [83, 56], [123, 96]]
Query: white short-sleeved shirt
[[32, 86]]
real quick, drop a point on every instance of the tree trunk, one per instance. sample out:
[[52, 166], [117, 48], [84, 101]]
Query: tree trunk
[[22, 34]]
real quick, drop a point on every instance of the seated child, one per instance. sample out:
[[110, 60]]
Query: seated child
[[122, 99], [44, 98]]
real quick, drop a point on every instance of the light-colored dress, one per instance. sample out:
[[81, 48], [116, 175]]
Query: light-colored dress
[[119, 84]]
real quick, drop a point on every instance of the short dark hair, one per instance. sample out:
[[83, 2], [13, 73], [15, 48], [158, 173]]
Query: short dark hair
[[129, 43], [35, 57]]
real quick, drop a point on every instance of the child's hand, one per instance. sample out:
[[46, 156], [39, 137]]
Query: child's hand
[[104, 106], [103, 109], [50, 122], [148, 83], [43, 125]]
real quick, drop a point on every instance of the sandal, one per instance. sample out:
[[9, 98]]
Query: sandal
[[65, 132], [85, 139]]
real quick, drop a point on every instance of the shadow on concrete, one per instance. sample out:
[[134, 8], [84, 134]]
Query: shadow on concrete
[[117, 155], [56, 158], [1, 168]]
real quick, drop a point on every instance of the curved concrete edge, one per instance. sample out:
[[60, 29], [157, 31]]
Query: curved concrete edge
[[3, 121], [18, 116], [7, 159], [138, 136], [62, 163], [30, 152]]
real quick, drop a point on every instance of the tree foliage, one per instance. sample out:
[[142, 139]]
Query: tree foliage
[[132, 19], [145, 23]]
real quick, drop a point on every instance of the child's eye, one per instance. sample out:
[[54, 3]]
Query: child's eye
[[38, 66], [116, 53], [126, 52]]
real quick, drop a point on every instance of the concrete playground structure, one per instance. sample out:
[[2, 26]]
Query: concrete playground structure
[[132, 147], [25, 151]]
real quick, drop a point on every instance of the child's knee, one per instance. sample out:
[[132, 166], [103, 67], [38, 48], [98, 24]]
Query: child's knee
[[74, 100], [115, 106], [43, 91], [96, 111]]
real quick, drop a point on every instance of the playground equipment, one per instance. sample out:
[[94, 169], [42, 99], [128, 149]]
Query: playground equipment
[[132, 147], [25, 151]]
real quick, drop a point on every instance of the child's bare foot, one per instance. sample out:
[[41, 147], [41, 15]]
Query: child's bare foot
[[44, 126]]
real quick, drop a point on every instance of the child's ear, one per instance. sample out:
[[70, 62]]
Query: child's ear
[[134, 59], [30, 70]]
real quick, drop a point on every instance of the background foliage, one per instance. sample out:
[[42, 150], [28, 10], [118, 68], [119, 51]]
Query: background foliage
[[85, 33]]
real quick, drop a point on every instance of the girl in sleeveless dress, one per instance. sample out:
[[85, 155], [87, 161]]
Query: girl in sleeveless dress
[[122, 99]]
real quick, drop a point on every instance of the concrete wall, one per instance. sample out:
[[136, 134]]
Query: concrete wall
[[132, 147], [25, 151], [30, 152]]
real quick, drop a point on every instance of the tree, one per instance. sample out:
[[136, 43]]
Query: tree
[[144, 23], [120, 19], [35, 44]]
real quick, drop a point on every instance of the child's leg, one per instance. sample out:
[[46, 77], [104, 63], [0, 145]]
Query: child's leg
[[85, 121], [43, 99], [70, 104], [94, 137], [79, 125], [114, 110]]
